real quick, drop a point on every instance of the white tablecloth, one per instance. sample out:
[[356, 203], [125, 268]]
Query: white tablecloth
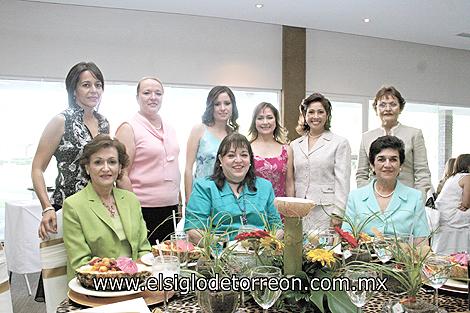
[[22, 219]]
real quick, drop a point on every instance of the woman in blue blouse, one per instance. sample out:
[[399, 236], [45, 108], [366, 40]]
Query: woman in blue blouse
[[233, 195], [394, 208]]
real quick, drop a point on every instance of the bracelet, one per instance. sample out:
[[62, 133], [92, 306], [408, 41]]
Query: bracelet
[[49, 208]]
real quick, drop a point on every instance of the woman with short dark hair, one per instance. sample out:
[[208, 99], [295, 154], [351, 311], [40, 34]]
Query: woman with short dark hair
[[393, 208], [233, 196]]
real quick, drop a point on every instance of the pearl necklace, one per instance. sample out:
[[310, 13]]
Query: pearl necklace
[[314, 137], [381, 195]]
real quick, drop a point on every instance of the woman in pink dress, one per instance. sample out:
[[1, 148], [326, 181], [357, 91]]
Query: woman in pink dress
[[272, 154]]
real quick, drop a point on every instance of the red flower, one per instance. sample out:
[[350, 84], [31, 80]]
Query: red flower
[[258, 234], [346, 236]]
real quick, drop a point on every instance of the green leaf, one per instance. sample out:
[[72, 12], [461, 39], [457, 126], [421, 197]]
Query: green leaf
[[317, 298], [339, 302]]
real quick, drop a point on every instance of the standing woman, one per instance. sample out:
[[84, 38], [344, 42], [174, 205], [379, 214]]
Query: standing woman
[[153, 173], [272, 155], [322, 163], [64, 138], [219, 120], [388, 105]]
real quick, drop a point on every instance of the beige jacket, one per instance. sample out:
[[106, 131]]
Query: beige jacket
[[414, 171], [322, 175]]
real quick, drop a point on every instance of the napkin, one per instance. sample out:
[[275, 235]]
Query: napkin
[[135, 306]]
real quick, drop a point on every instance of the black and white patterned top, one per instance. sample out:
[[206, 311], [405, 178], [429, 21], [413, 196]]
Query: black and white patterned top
[[76, 135]]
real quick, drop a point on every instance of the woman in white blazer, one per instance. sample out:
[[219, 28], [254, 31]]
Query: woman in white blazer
[[322, 163], [388, 105]]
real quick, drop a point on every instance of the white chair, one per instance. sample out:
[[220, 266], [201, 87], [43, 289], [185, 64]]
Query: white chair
[[6, 305], [54, 268]]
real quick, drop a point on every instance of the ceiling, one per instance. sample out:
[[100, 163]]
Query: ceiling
[[432, 22]]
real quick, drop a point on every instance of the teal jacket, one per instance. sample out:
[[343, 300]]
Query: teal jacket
[[208, 203], [89, 231], [405, 213]]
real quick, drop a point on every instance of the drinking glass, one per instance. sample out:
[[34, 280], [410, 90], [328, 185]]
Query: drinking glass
[[179, 247], [361, 286], [264, 296], [328, 238], [221, 241], [167, 266], [383, 249], [436, 269]]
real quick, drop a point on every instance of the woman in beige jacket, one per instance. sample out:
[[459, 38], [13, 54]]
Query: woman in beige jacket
[[388, 105], [322, 163]]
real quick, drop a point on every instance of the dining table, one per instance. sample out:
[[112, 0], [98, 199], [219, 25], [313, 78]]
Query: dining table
[[452, 303]]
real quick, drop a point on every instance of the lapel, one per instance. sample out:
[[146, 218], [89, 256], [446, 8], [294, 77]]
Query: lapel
[[324, 139], [124, 212], [97, 206], [370, 202], [303, 144], [399, 197]]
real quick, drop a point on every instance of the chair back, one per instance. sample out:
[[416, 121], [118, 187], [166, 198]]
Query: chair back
[[6, 305], [54, 267]]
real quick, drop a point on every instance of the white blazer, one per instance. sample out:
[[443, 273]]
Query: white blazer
[[322, 175], [414, 171]]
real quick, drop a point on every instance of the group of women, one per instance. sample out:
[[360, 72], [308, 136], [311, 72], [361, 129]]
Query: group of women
[[105, 183]]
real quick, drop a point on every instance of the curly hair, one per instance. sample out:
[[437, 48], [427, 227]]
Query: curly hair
[[234, 141], [302, 126], [279, 133], [101, 142], [385, 142], [208, 116]]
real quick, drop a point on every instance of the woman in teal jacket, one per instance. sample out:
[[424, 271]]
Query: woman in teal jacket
[[393, 208], [101, 220], [233, 196]]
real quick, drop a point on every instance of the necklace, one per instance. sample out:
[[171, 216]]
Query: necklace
[[111, 206], [314, 137], [381, 195], [158, 128]]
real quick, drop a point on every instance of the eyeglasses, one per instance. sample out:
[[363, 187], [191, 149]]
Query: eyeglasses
[[384, 105]]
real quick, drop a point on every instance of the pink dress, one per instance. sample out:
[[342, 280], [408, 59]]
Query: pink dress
[[273, 169]]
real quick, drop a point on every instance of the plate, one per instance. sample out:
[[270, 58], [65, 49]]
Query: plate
[[455, 286], [147, 259], [150, 297], [75, 285]]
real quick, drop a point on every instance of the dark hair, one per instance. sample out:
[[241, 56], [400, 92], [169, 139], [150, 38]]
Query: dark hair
[[386, 142], [237, 141], [73, 77], [302, 126], [388, 91], [100, 142], [208, 116], [279, 133], [151, 78], [462, 164]]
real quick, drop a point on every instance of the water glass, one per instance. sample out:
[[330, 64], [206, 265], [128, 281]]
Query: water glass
[[383, 248], [221, 240], [360, 289], [165, 266], [264, 296], [180, 247], [328, 238], [436, 269]]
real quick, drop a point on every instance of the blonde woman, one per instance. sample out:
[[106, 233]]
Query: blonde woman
[[272, 155]]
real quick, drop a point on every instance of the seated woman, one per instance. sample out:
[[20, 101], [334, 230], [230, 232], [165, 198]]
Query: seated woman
[[453, 234], [102, 220], [233, 196], [392, 207]]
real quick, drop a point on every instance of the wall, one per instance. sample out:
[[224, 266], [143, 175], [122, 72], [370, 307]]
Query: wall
[[45, 40], [357, 65]]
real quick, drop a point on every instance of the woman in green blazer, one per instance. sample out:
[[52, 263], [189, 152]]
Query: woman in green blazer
[[102, 220]]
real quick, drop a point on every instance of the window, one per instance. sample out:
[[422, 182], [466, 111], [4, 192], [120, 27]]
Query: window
[[460, 130], [29, 105]]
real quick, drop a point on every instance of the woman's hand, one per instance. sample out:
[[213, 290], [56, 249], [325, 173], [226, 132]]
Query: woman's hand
[[48, 224]]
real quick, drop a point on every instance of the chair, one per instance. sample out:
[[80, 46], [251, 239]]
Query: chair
[[54, 267], [6, 305]]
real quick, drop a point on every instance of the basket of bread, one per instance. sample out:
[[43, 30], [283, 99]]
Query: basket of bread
[[459, 269]]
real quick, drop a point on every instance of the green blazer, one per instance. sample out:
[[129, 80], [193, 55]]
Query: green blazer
[[89, 230]]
